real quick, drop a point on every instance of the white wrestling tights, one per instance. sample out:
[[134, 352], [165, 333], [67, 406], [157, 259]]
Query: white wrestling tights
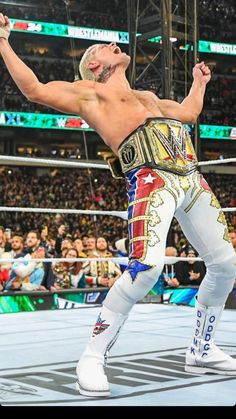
[[155, 197]]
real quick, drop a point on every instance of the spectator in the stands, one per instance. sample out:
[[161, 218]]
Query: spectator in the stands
[[232, 236], [17, 246], [2, 240], [4, 270], [84, 239], [32, 241], [190, 272], [101, 273], [26, 273], [69, 274], [168, 273], [66, 244], [78, 245], [44, 236], [91, 247], [122, 250]]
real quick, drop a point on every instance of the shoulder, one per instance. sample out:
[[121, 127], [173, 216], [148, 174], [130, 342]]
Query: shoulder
[[147, 96], [85, 83], [86, 90], [144, 93]]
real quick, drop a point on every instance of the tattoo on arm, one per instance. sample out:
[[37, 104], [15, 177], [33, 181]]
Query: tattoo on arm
[[105, 74]]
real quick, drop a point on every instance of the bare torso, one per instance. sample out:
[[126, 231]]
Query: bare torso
[[117, 112]]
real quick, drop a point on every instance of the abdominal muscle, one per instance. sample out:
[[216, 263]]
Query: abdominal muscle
[[120, 127]]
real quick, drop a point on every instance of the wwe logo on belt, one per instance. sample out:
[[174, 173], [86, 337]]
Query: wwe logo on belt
[[128, 154], [174, 144], [100, 326]]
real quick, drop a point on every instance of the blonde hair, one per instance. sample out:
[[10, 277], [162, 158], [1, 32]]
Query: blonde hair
[[85, 72]]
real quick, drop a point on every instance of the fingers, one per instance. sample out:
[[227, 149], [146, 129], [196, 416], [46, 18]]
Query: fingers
[[3, 20], [7, 20], [204, 68]]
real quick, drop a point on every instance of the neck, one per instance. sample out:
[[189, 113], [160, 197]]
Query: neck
[[17, 251], [105, 74], [102, 252]]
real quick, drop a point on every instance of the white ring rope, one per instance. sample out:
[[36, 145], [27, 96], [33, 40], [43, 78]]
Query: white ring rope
[[229, 209], [120, 214], [169, 260], [28, 161], [213, 162]]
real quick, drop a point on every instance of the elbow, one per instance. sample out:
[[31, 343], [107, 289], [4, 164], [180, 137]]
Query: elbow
[[195, 113], [33, 94], [30, 98], [194, 119]]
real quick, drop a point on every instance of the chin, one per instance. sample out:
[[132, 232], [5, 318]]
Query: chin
[[126, 59]]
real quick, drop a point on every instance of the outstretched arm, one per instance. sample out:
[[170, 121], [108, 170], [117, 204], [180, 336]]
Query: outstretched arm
[[63, 96], [189, 110]]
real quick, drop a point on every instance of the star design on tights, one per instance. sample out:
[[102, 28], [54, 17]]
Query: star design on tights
[[148, 179], [135, 267]]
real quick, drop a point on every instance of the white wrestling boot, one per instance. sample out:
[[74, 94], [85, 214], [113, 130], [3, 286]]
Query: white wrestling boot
[[92, 380], [203, 356]]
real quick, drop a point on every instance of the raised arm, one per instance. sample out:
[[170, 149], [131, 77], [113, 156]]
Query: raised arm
[[189, 110], [64, 96]]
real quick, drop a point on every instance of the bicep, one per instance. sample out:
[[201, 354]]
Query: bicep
[[172, 109], [60, 95]]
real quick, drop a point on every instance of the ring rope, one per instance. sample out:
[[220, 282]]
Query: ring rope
[[213, 162], [229, 209], [120, 214], [168, 259], [28, 161]]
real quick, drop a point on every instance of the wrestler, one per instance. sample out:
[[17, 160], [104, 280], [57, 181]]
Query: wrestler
[[159, 163]]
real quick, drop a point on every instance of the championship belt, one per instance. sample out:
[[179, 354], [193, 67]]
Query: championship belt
[[114, 166], [160, 143]]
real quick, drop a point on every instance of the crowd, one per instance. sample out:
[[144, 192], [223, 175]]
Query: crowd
[[28, 273], [30, 236], [217, 20], [67, 189], [12, 99], [219, 103], [62, 189], [216, 17]]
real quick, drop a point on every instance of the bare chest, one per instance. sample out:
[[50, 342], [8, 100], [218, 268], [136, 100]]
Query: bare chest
[[146, 101], [131, 98]]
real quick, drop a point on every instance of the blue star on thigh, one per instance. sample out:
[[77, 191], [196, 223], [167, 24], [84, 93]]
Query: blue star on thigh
[[134, 267]]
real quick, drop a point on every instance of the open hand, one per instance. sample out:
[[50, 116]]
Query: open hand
[[202, 72]]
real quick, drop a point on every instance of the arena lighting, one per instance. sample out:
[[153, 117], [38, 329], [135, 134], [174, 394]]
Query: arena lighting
[[58, 29], [106, 35], [75, 123], [43, 121], [213, 47]]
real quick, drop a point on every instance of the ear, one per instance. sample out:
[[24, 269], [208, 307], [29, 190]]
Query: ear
[[93, 65]]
